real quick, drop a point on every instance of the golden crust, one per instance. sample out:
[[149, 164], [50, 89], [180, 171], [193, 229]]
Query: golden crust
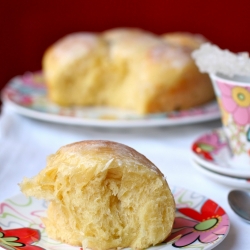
[[103, 195]]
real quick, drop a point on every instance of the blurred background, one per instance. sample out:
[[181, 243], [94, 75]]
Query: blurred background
[[29, 27]]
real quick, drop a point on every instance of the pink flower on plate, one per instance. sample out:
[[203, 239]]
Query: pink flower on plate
[[211, 142], [236, 100], [205, 226]]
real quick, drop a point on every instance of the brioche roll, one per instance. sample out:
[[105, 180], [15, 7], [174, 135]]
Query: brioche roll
[[184, 39], [103, 195], [126, 68]]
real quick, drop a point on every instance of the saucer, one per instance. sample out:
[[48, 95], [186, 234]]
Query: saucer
[[212, 151], [224, 179], [200, 223]]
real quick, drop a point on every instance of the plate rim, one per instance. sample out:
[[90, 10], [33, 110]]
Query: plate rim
[[118, 123], [238, 182], [208, 246]]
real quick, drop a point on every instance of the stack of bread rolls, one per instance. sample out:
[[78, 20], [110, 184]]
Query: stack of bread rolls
[[126, 68]]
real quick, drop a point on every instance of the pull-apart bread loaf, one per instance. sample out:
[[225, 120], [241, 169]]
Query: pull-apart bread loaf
[[126, 68], [103, 195]]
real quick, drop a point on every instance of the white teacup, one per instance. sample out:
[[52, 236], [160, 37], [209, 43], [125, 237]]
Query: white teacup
[[233, 96]]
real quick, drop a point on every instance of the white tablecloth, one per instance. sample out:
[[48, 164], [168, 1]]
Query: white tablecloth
[[25, 144]]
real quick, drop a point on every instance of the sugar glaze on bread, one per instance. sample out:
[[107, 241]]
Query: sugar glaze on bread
[[103, 195]]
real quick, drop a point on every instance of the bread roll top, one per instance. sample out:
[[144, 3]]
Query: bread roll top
[[81, 161]]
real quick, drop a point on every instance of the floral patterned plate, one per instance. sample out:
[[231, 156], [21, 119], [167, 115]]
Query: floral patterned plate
[[224, 179], [200, 224], [212, 151], [27, 96]]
